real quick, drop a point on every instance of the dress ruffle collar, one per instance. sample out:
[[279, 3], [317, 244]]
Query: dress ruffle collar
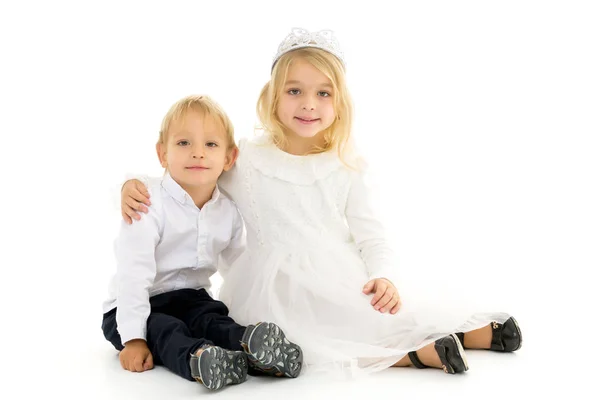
[[266, 157]]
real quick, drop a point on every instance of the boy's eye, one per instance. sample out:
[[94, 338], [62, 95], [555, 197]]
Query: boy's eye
[[324, 94], [211, 144], [294, 91], [183, 143]]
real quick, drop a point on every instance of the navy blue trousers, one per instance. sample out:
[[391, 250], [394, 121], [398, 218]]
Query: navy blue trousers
[[180, 322]]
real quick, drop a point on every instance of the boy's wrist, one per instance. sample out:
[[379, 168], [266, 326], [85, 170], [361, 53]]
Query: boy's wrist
[[136, 343]]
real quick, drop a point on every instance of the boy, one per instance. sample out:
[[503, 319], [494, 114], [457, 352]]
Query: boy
[[159, 310]]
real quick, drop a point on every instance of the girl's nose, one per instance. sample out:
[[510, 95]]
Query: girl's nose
[[309, 103]]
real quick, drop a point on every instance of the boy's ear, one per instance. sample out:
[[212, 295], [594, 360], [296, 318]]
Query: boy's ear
[[230, 158], [161, 152]]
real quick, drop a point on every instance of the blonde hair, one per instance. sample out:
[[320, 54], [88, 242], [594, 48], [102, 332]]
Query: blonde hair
[[338, 135], [205, 106]]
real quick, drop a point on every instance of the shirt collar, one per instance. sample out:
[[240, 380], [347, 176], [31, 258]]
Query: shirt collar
[[179, 194]]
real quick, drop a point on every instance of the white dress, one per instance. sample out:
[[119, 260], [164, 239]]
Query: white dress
[[313, 244]]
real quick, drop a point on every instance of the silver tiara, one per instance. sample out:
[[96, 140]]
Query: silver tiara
[[300, 38]]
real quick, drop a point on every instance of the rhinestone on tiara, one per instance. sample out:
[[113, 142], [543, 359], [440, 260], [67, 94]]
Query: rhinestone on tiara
[[299, 38]]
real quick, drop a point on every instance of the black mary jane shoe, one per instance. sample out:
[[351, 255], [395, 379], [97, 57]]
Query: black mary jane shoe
[[451, 354], [506, 337]]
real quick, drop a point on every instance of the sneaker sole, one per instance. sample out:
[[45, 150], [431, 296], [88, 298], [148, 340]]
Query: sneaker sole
[[218, 367], [268, 345]]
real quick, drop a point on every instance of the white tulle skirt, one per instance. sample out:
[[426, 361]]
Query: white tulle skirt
[[316, 298]]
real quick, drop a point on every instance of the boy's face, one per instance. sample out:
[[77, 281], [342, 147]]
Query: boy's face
[[196, 150]]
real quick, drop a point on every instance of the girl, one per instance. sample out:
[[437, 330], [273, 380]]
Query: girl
[[316, 253]]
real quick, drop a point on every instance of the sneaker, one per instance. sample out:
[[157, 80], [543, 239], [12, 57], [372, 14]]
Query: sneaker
[[216, 367], [270, 352]]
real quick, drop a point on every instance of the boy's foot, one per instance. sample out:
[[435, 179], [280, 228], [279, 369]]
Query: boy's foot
[[215, 367], [269, 351]]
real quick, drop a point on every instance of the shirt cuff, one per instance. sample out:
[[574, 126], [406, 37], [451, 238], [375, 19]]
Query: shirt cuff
[[132, 330], [384, 271]]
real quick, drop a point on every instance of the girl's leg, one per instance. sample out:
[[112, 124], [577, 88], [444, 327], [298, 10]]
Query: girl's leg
[[505, 337], [445, 353], [427, 355], [479, 338]]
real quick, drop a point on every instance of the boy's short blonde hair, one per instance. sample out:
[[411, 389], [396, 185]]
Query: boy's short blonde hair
[[205, 106]]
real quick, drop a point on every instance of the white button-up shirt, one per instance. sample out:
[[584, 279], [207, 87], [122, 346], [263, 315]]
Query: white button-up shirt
[[175, 246]]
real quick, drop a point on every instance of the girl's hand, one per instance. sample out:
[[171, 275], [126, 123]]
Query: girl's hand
[[134, 195], [136, 356], [386, 296]]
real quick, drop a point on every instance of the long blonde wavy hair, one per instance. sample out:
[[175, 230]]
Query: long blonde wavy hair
[[338, 135]]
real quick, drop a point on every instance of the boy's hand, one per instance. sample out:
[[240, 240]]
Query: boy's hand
[[136, 356], [134, 195], [386, 296]]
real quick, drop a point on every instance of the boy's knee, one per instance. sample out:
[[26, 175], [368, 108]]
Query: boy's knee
[[163, 324]]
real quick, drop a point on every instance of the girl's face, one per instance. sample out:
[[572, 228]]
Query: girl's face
[[306, 105]]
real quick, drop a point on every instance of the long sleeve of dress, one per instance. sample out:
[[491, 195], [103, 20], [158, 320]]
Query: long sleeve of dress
[[367, 230]]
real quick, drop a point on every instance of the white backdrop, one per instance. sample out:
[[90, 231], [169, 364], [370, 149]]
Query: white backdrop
[[480, 120]]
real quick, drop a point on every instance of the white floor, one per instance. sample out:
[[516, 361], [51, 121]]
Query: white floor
[[487, 370], [86, 367]]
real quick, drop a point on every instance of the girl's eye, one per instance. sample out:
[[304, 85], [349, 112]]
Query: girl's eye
[[211, 144], [294, 91], [324, 94], [183, 143]]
